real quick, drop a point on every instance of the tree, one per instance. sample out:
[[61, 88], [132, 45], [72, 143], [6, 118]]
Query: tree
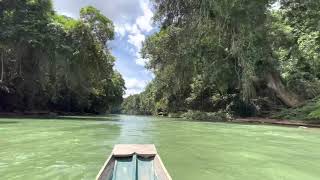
[[233, 55], [295, 35], [101, 26], [52, 62]]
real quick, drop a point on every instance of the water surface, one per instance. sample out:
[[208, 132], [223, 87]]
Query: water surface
[[76, 148]]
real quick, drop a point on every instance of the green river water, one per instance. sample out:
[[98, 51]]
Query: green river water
[[76, 148]]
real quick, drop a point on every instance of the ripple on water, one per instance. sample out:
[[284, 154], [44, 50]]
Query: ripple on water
[[76, 148]]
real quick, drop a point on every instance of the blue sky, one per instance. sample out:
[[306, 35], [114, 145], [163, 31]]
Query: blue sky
[[133, 23]]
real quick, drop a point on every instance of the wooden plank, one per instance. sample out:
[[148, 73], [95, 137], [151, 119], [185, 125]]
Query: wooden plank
[[145, 169], [107, 169], [125, 168], [161, 171], [146, 150]]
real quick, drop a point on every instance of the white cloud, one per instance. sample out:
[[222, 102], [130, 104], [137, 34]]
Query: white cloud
[[142, 62], [118, 10], [120, 30], [133, 83], [136, 40], [136, 31], [139, 60], [124, 29], [147, 72], [132, 51], [130, 92], [144, 22], [132, 29], [134, 86]]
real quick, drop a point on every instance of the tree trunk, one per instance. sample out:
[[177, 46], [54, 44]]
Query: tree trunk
[[53, 70], [289, 98], [2, 67], [53, 76]]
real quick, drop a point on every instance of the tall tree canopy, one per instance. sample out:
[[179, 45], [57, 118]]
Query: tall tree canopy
[[215, 54], [52, 62]]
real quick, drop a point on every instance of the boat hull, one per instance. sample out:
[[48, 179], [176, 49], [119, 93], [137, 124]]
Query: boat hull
[[134, 162]]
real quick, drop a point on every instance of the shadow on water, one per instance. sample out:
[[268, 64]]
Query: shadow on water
[[8, 122], [310, 125], [65, 118], [194, 121], [88, 118]]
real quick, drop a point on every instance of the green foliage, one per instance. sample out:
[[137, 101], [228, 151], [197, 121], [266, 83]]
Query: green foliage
[[294, 33], [65, 22], [205, 50], [310, 111], [219, 116], [100, 25], [315, 114], [52, 62], [140, 104], [239, 56]]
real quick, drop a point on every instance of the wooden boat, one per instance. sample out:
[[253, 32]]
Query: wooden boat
[[133, 162]]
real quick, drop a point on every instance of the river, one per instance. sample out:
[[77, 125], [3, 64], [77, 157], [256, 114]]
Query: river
[[75, 148]]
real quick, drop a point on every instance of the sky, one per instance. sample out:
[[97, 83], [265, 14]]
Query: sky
[[133, 24]]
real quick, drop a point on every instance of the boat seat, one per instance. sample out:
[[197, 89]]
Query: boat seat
[[133, 162], [134, 168]]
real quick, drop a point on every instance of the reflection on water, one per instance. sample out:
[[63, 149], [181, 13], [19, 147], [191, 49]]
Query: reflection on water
[[76, 148], [135, 130]]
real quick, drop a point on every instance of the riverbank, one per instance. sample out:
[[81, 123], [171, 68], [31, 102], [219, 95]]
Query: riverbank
[[248, 120], [225, 117], [257, 120], [49, 114]]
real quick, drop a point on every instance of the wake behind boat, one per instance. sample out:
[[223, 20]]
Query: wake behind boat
[[134, 162]]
